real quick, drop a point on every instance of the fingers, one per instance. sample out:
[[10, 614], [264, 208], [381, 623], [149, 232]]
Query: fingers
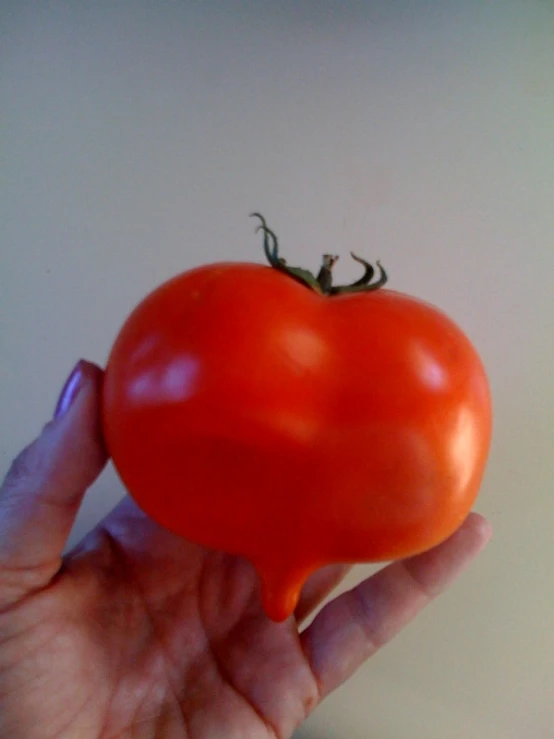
[[320, 584], [43, 489], [351, 628]]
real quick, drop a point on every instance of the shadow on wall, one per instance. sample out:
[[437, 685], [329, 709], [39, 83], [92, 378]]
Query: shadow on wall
[[320, 15], [312, 734], [319, 733]]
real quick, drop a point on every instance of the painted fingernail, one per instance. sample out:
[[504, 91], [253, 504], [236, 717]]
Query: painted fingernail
[[70, 390]]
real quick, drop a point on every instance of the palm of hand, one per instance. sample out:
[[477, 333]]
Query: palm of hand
[[144, 634]]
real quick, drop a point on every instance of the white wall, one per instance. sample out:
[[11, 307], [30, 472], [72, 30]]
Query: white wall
[[136, 138]]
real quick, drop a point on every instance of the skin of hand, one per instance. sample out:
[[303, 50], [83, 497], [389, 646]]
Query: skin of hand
[[139, 633]]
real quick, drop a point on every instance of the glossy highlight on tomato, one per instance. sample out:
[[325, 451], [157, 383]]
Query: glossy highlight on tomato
[[261, 411]]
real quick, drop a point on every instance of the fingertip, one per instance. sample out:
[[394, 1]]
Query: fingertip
[[84, 376], [479, 527], [484, 525], [73, 440], [79, 403], [44, 487], [92, 376]]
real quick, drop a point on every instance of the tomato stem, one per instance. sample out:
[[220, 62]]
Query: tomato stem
[[323, 283]]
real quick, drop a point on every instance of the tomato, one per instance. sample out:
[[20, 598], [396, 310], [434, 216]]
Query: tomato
[[257, 410]]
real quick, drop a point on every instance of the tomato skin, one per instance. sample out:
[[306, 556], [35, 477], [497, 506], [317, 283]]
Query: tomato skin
[[248, 413]]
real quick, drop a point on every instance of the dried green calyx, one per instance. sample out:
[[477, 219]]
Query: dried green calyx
[[323, 282]]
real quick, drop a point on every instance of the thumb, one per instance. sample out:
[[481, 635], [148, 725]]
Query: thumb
[[45, 485]]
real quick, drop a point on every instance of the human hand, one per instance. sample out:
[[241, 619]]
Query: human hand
[[139, 633]]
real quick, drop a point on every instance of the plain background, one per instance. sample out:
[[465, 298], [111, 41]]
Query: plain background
[[137, 136]]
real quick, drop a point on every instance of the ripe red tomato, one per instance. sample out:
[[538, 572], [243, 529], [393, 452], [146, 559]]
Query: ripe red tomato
[[249, 413]]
